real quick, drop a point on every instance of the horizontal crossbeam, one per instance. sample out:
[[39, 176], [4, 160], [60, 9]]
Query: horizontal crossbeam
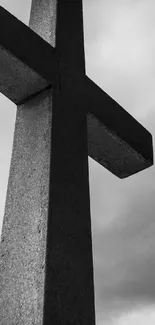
[[27, 62], [28, 65], [115, 139]]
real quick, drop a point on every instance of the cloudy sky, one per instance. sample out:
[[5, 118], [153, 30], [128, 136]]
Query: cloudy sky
[[120, 58]]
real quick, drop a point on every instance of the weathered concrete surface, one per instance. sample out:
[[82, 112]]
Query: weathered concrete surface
[[115, 139], [24, 232], [55, 214], [18, 82], [31, 65], [43, 19], [47, 267], [27, 63], [112, 152]]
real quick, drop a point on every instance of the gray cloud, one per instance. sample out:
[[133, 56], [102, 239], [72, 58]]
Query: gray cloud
[[120, 49], [120, 58], [124, 247]]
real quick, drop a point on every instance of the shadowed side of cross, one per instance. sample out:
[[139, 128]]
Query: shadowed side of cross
[[29, 64]]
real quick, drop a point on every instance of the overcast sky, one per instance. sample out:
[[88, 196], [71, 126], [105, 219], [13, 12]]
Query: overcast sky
[[120, 58]]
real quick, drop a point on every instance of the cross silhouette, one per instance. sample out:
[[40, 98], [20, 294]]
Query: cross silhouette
[[46, 238]]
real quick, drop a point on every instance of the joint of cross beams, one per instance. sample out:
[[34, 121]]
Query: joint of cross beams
[[32, 65], [31, 97]]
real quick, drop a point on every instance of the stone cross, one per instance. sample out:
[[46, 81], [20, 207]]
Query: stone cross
[[62, 116]]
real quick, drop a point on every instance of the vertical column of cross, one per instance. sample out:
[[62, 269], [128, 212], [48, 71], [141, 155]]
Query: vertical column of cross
[[70, 35], [24, 233], [43, 19], [47, 270], [69, 287]]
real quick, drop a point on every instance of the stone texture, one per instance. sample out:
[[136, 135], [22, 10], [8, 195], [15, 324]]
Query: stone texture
[[47, 266], [112, 152], [23, 241], [46, 249], [43, 19], [18, 82], [27, 63], [31, 65], [115, 139]]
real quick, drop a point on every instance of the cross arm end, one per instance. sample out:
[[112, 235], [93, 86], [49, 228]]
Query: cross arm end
[[115, 139]]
